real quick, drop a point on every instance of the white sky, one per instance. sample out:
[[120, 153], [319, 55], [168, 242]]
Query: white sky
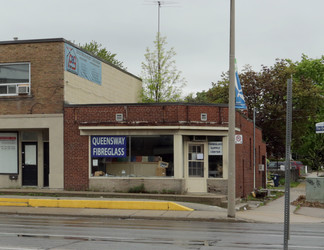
[[197, 29]]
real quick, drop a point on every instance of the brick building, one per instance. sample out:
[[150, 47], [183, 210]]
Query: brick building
[[167, 147], [37, 77], [70, 120]]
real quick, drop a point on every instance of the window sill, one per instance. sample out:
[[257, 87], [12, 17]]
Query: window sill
[[14, 97]]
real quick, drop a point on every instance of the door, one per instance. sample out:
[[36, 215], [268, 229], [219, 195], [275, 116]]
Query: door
[[29, 164], [46, 164], [196, 168]]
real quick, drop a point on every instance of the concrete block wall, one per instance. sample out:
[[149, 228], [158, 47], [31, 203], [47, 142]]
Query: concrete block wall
[[46, 71], [217, 186], [150, 185]]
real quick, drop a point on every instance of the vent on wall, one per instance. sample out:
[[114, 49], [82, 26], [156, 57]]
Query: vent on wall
[[119, 117], [203, 117]]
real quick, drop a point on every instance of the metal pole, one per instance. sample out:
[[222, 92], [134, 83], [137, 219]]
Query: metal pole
[[231, 118], [157, 90], [287, 164], [159, 7], [254, 148]]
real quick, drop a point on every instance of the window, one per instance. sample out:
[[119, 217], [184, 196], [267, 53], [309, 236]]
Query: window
[[132, 156], [9, 153], [14, 79], [215, 157]]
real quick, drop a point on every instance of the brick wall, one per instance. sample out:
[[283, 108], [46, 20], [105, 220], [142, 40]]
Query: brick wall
[[76, 152], [167, 114], [47, 67], [77, 147], [244, 159]]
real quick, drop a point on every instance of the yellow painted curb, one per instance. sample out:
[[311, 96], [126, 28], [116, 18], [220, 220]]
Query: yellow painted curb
[[131, 205], [12, 202]]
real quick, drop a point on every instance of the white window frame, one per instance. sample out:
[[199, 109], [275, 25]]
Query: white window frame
[[27, 84]]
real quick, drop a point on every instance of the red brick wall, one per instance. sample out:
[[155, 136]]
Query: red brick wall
[[76, 152], [76, 155], [244, 159], [47, 68]]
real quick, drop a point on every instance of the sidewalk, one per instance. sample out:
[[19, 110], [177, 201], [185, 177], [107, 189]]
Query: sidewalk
[[273, 212]]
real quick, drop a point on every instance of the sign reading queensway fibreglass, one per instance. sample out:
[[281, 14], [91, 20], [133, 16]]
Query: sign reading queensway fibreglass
[[108, 146]]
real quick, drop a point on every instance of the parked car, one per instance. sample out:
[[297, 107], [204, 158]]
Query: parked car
[[275, 165], [279, 165]]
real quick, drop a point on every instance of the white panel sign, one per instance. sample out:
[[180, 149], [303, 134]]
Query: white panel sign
[[320, 127], [238, 139], [215, 148], [8, 153]]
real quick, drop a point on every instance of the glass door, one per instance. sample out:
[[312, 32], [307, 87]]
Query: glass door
[[29, 164], [196, 165], [196, 160]]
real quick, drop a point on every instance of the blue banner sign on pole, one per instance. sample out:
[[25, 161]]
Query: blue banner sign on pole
[[239, 97], [108, 146], [82, 64], [320, 127]]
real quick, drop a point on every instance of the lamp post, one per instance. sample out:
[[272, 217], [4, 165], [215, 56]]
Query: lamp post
[[231, 118]]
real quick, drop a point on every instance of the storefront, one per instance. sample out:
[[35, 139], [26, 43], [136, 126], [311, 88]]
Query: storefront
[[25, 151], [157, 149]]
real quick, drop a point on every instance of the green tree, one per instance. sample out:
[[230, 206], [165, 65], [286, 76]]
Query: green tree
[[97, 49], [200, 98], [162, 82], [308, 145], [312, 69], [266, 91]]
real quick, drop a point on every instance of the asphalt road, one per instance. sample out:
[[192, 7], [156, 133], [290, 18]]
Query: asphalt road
[[37, 232]]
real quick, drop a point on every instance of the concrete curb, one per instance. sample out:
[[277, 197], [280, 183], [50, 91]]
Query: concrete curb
[[121, 214]]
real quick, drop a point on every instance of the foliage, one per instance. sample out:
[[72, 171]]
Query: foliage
[[312, 69], [96, 49], [218, 93], [137, 189], [266, 91], [200, 98], [162, 82]]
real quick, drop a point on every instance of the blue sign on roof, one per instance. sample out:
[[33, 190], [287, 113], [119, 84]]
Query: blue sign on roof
[[82, 64]]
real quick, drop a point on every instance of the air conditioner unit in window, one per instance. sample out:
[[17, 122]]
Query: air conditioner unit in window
[[23, 90]]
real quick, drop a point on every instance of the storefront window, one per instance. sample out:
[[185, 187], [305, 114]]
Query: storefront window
[[132, 156], [215, 157]]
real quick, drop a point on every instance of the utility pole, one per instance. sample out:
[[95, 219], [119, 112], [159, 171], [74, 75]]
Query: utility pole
[[231, 118], [254, 148], [287, 164]]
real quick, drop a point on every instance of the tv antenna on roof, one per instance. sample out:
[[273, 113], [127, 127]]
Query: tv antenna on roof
[[160, 4]]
